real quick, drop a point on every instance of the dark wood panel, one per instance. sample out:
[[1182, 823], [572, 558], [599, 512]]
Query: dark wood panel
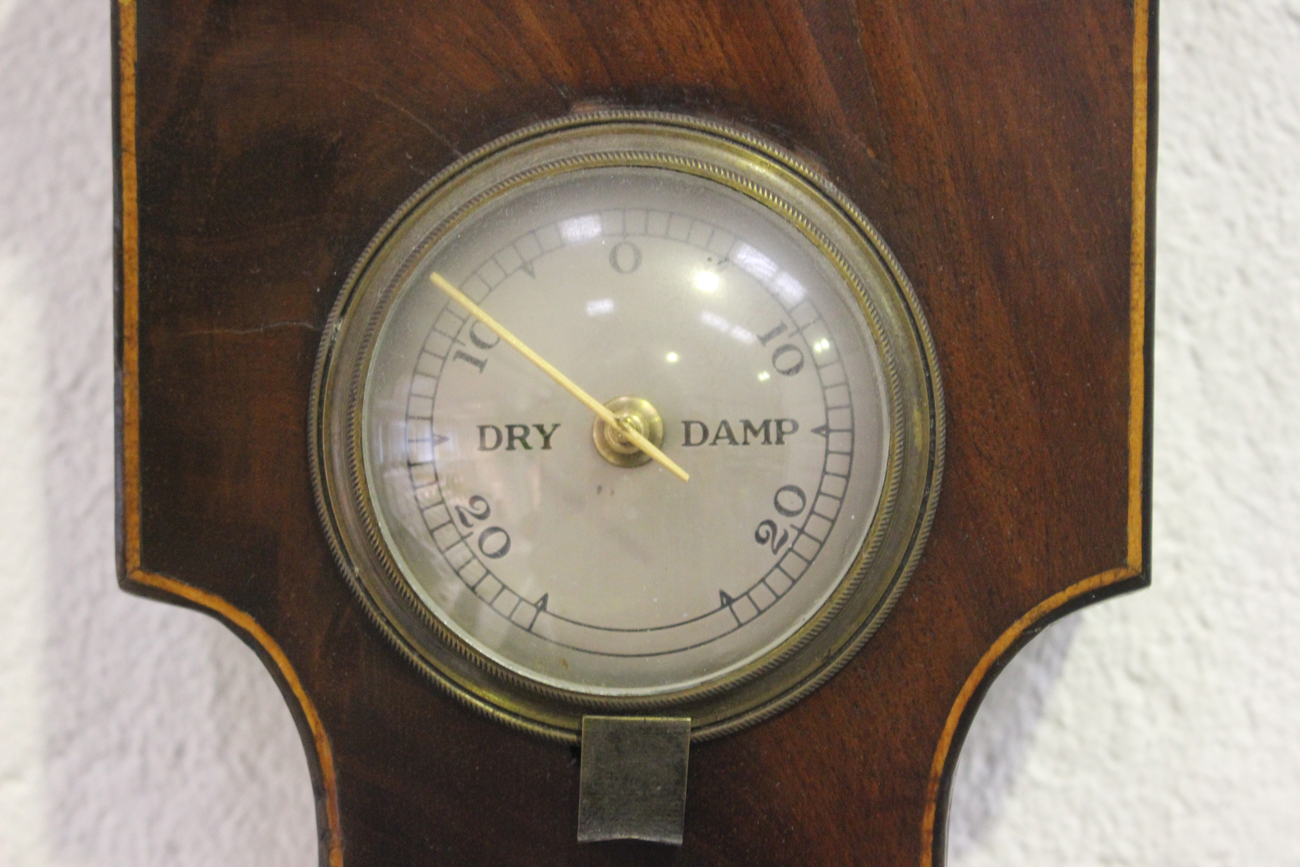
[[992, 144]]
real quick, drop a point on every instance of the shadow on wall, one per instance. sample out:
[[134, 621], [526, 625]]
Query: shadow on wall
[[1001, 735], [134, 734]]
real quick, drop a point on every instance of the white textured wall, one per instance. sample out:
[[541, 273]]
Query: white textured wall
[[1154, 730], [1160, 728], [132, 734]]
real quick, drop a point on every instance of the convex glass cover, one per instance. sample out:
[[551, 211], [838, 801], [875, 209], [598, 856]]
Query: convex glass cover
[[720, 299]]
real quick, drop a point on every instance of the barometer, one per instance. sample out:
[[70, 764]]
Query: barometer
[[627, 412], [557, 397]]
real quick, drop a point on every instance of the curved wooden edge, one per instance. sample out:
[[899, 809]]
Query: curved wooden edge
[[243, 625], [130, 574], [1093, 589], [1134, 574]]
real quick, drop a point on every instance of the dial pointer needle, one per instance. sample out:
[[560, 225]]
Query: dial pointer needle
[[594, 405]]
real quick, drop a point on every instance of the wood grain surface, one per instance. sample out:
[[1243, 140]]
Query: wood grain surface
[[1000, 148]]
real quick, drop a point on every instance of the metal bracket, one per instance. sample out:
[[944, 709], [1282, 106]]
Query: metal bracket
[[632, 784]]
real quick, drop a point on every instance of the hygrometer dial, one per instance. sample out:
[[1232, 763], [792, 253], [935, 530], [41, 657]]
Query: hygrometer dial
[[720, 299]]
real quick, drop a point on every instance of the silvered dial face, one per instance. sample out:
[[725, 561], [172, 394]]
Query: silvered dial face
[[552, 557]]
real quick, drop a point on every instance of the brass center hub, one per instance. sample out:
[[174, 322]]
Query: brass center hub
[[636, 414]]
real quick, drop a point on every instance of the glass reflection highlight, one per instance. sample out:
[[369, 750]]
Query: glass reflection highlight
[[579, 229], [707, 281]]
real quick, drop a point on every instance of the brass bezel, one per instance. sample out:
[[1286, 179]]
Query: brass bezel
[[761, 171]]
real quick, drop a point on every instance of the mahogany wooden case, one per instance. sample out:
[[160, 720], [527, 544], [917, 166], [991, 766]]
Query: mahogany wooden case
[[1004, 151]]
